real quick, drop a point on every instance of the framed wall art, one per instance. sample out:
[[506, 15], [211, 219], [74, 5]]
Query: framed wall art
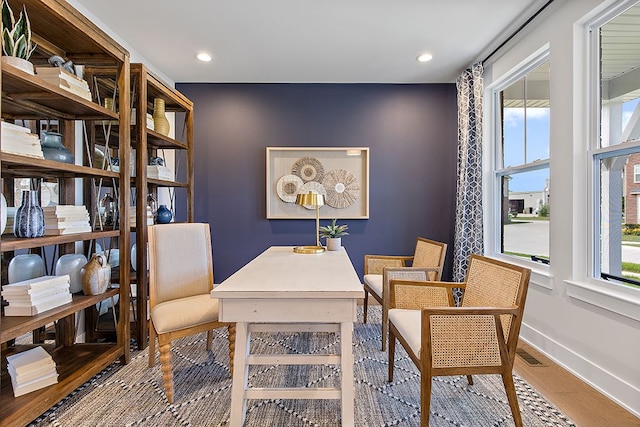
[[340, 174]]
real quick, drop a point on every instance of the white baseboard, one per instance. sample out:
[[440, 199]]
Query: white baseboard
[[615, 388]]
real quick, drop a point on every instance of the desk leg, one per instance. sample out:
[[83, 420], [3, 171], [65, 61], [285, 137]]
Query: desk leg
[[346, 367], [240, 376]]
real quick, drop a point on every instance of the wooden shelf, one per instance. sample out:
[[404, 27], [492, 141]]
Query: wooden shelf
[[17, 166], [14, 326], [75, 365], [12, 243]]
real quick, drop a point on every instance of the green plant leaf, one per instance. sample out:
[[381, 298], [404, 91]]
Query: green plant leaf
[[8, 21], [20, 48], [7, 42]]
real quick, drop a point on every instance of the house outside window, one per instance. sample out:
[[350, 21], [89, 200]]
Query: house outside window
[[522, 204], [615, 147]]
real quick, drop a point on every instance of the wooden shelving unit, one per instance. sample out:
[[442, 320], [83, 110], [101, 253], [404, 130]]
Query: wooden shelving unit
[[61, 30], [145, 87]]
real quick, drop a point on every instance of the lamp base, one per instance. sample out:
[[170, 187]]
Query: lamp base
[[308, 249]]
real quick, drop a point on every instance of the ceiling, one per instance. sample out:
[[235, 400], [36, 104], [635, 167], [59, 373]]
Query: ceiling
[[329, 41]]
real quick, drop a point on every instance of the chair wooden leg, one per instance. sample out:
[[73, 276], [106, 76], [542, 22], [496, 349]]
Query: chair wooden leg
[[152, 344], [209, 340], [470, 379], [425, 398], [232, 345], [509, 387], [392, 353], [365, 306], [385, 327], [167, 367]]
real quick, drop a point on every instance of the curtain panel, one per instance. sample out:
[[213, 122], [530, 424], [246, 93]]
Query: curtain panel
[[468, 237]]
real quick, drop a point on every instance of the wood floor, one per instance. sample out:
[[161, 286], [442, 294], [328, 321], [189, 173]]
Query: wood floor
[[576, 399]]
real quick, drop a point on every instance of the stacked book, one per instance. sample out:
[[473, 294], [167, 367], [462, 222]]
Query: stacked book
[[31, 370], [160, 172], [19, 140], [65, 80], [34, 296], [65, 219], [132, 216]]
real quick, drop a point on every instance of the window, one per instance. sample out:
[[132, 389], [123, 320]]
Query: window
[[615, 147], [521, 171]]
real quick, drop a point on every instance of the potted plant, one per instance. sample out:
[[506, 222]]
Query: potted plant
[[17, 46], [333, 233]]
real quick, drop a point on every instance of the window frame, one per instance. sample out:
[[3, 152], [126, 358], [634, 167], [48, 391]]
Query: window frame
[[495, 170], [584, 285]]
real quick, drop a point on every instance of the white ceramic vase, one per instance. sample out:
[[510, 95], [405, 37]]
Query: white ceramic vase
[[334, 243], [72, 265], [3, 213], [25, 267], [21, 64]]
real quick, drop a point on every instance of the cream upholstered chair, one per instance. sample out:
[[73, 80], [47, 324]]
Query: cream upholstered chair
[[180, 282], [426, 264], [479, 337]]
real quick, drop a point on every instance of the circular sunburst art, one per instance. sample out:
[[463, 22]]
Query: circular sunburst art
[[342, 188], [315, 188], [287, 187], [308, 169]]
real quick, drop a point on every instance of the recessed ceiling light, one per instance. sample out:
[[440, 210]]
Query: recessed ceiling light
[[204, 57], [425, 57]]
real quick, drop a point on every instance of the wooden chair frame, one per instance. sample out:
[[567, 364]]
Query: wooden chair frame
[[506, 343], [387, 265], [165, 339]]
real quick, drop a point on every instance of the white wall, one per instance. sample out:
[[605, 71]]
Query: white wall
[[584, 334]]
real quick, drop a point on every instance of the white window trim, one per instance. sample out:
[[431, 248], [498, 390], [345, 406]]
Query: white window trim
[[616, 298], [636, 172], [541, 274]]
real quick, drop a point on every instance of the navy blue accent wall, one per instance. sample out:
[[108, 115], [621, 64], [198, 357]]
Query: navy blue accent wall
[[411, 131]]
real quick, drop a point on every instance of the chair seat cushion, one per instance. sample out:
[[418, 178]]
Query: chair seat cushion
[[184, 313], [408, 322], [374, 282]]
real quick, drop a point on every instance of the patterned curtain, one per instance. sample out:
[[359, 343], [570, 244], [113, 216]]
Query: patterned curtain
[[468, 229]]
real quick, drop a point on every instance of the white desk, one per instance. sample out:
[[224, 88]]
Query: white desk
[[280, 290]]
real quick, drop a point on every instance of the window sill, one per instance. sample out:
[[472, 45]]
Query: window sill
[[619, 299]]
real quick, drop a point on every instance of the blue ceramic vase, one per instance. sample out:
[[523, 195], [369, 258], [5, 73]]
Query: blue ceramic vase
[[29, 220], [53, 149], [163, 215]]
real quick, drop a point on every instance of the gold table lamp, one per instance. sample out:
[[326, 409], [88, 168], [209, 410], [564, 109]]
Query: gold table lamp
[[316, 200]]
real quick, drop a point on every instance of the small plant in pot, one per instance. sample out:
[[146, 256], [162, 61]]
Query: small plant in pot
[[17, 46], [333, 233]]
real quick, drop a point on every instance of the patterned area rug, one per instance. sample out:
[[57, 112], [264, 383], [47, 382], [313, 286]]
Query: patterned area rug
[[133, 394]]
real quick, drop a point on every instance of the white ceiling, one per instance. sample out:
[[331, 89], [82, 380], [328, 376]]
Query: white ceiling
[[328, 41]]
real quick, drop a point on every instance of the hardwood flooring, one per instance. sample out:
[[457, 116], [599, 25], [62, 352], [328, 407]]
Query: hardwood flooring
[[583, 404]]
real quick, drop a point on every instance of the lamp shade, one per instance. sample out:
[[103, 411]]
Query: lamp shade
[[310, 198]]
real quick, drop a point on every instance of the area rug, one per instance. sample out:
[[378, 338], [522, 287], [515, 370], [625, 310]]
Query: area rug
[[133, 395]]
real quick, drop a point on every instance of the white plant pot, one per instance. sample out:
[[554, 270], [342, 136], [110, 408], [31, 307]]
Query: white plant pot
[[334, 244], [19, 63]]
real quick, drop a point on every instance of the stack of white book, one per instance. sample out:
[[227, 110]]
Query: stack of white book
[[19, 140], [160, 172], [31, 370], [132, 216], [65, 219], [65, 80], [34, 296]]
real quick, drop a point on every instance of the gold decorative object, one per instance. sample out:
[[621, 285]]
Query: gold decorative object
[[314, 187], [317, 200], [160, 122]]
